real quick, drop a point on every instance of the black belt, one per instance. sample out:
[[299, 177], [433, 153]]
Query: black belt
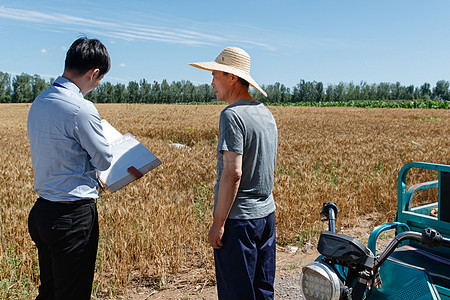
[[75, 202]]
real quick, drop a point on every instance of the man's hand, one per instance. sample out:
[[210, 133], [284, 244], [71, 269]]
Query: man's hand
[[215, 236]]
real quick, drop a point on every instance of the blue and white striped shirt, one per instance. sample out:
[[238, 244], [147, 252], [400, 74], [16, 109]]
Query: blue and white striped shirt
[[67, 143]]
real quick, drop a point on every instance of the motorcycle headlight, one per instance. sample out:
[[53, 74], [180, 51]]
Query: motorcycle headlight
[[319, 281]]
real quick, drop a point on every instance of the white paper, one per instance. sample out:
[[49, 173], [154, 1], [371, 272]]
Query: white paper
[[111, 134], [127, 152]]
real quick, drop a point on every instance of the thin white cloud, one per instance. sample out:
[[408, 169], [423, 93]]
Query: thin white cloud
[[49, 76], [116, 79], [43, 51], [123, 31], [41, 75], [122, 65], [178, 32]]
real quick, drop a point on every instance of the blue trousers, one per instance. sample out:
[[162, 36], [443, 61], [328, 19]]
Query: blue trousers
[[245, 265]]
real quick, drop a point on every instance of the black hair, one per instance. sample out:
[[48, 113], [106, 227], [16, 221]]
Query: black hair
[[86, 54]]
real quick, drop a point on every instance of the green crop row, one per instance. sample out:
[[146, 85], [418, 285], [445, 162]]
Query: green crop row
[[428, 104]]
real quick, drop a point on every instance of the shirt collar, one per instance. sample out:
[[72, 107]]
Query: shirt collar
[[66, 83]]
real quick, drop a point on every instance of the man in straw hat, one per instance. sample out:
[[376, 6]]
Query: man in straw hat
[[243, 229]]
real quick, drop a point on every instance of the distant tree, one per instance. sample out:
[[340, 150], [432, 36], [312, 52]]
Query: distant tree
[[119, 93], [311, 91], [273, 92], [93, 95], [5, 87], [285, 94], [187, 92], [425, 91], [156, 92], [339, 92], [204, 93], [383, 91], [22, 88], [409, 92], [295, 94], [38, 85], [175, 92], [357, 93], [104, 93], [165, 91], [301, 92], [209, 93], [396, 91], [319, 95], [145, 91], [441, 91], [25, 88], [373, 92], [133, 92], [329, 96], [350, 91], [417, 93], [365, 89]]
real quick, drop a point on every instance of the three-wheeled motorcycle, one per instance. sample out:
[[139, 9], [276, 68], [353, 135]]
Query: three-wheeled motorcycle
[[416, 263]]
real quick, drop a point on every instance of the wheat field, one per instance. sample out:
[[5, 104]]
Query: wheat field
[[156, 227]]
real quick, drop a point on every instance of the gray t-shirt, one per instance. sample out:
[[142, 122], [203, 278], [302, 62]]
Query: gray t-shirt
[[248, 128]]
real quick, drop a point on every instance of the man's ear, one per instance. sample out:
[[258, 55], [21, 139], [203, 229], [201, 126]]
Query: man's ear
[[234, 78], [93, 73]]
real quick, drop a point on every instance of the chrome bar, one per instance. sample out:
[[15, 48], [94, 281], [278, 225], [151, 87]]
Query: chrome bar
[[332, 220], [393, 245]]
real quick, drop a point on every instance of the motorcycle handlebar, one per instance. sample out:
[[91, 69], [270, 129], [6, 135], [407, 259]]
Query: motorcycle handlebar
[[429, 237], [432, 238], [330, 211]]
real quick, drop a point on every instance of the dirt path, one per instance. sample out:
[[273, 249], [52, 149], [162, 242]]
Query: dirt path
[[290, 260]]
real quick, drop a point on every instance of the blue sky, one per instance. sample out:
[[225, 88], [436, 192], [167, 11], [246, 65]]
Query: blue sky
[[329, 41]]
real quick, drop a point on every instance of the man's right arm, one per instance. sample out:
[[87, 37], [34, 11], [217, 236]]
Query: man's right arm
[[228, 188], [91, 138]]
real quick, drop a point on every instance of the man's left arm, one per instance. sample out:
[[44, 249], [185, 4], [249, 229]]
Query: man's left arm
[[228, 187]]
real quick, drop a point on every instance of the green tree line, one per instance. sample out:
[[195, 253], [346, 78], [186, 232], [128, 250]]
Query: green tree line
[[24, 88]]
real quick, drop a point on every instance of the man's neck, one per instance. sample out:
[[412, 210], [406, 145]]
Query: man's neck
[[82, 82], [77, 80], [239, 94]]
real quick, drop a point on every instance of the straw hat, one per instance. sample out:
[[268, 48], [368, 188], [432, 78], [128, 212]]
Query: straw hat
[[232, 60]]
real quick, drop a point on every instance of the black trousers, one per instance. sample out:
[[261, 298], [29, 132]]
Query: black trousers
[[66, 236]]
